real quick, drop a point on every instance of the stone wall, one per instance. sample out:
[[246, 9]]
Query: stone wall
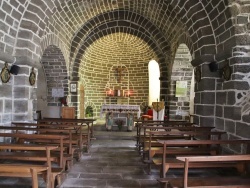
[[17, 97]]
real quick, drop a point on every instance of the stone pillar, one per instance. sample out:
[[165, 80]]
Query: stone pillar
[[205, 92]]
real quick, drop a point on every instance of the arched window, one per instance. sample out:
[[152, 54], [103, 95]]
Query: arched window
[[154, 82]]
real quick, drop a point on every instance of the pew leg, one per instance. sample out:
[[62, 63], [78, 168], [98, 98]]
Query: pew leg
[[34, 178], [241, 168]]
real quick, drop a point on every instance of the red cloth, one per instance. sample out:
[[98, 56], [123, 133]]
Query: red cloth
[[150, 112]]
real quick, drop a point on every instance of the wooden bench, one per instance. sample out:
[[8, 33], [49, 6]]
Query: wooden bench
[[167, 163], [42, 156], [11, 152], [71, 145], [81, 122], [142, 127], [24, 170], [84, 139], [145, 137], [153, 147], [211, 182], [77, 134]]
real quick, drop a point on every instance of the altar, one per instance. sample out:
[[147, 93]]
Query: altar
[[115, 113]]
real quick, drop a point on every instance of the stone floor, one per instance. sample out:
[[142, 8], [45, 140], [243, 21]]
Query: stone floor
[[112, 161]]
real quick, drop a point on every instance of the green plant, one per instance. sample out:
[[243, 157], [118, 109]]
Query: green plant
[[89, 111]]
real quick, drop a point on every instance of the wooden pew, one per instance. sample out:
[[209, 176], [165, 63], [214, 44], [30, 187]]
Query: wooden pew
[[218, 182], [24, 170], [157, 124], [139, 124], [153, 147], [38, 138], [71, 145], [145, 137], [181, 145], [76, 132], [29, 170], [82, 122]]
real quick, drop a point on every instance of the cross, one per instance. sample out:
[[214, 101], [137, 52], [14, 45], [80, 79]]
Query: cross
[[119, 71]]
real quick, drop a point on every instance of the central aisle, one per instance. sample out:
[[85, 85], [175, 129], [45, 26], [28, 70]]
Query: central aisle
[[112, 162]]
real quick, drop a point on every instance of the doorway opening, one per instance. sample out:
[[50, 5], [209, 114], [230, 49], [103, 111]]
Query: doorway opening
[[182, 86]]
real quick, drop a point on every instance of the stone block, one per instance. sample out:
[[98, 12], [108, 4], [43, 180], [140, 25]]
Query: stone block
[[6, 91], [246, 118], [242, 19], [196, 120], [230, 126], [219, 111], [232, 112], [4, 27], [6, 118], [20, 106], [221, 98], [2, 15], [207, 121], [21, 80], [19, 118], [219, 124], [207, 97], [205, 110], [20, 92], [7, 106], [231, 98], [9, 20], [197, 98], [243, 130], [243, 85], [207, 84], [16, 15], [1, 106]]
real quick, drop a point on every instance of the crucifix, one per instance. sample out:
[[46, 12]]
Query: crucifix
[[119, 71]]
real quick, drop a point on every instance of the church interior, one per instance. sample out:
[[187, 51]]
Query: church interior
[[108, 63]]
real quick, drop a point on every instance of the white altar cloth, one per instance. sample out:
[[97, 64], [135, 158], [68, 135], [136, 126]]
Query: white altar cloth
[[118, 108], [161, 115]]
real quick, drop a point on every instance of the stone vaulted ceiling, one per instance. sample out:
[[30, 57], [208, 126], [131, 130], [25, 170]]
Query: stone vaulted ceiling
[[73, 25]]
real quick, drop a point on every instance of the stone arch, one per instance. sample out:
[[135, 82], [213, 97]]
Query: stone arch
[[53, 40], [56, 74], [182, 70], [95, 29]]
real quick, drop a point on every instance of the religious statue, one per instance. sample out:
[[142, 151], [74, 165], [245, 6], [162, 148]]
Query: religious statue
[[130, 121], [119, 71], [109, 121]]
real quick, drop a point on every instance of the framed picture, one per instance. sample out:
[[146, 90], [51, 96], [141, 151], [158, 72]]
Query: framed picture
[[5, 74], [32, 77], [72, 87], [181, 89]]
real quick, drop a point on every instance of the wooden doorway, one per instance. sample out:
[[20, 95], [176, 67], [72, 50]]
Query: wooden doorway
[[81, 100]]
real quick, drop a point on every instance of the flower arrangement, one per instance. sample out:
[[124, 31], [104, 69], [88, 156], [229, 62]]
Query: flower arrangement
[[120, 123]]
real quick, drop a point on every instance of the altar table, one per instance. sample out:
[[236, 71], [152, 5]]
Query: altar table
[[118, 108], [120, 112]]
